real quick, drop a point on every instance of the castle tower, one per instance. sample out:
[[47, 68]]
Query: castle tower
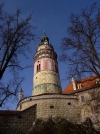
[[46, 75]]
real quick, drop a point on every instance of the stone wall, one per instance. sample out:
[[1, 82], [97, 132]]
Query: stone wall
[[46, 82], [18, 123], [46, 77], [54, 106], [90, 105]]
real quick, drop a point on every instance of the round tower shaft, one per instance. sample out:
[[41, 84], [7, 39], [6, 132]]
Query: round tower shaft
[[46, 75]]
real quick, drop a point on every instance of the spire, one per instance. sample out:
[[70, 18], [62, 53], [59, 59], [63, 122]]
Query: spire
[[44, 32], [20, 94], [45, 39]]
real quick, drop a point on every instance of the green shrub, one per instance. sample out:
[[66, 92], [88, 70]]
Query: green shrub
[[61, 126]]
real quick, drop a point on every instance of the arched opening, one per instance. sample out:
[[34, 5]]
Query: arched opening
[[38, 68]]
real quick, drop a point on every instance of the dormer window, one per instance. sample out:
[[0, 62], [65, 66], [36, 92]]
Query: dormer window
[[97, 81], [79, 86]]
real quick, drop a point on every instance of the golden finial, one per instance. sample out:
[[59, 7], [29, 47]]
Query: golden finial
[[44, 32]]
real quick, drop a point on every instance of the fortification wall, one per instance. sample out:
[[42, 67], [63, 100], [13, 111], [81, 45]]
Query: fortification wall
[[18, 123], [53, 106]]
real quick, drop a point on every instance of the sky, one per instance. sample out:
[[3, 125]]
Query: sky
[[52, 16]]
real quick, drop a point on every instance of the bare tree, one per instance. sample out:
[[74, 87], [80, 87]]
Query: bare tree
[[81, 48], [15, 36], [9, 91]]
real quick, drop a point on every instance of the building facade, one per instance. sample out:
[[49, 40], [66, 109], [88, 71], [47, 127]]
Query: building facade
[[47, 91], [80, 99]]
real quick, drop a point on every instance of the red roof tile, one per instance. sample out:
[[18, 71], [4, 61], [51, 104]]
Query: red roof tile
[[85, 84]]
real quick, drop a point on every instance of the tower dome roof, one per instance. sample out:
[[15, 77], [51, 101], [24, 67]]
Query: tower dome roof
[[44, 39], [44, 44]]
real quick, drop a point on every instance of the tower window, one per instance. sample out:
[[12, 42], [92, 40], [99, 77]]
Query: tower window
[[56, 68], [38, 68]]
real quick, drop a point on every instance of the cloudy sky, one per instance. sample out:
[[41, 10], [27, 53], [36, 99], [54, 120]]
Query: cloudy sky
[[52, 16]]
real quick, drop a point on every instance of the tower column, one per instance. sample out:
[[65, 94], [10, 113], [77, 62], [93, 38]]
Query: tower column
[[46, 75]]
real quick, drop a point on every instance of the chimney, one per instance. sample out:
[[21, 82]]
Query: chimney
[[74, 84]]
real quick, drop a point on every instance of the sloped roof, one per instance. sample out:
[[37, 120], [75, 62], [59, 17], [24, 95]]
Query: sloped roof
[[8, 112], [14, 112], [86, 83]]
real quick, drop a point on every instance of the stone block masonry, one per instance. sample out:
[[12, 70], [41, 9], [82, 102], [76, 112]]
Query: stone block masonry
[[46, 82], [90, 106], [53, 106], [18, 123]]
